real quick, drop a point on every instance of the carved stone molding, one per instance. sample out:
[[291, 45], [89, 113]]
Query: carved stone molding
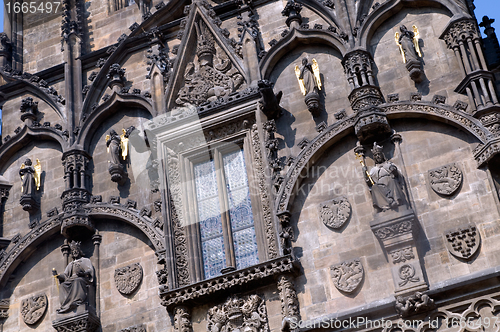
[[182, 319], [135, 328], [365, 96], [463, 242], [390, 231], [347, 276], [128, 278], [4, 308], [33, 308], [459, 31], [259, 166], [358, 69], [289, 303], [253, 275], [84, 322], [247, 313], [130, 216], [402, 255], [335, 213], [445, 180]]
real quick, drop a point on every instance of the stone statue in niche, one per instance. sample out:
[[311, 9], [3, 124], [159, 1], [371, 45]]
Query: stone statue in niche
[[117, 148], [30, 177], [385, 182], [309, 79], [410, 51], [77, 281]]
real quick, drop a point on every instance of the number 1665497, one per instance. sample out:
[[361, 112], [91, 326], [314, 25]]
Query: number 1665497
[[32, 7]]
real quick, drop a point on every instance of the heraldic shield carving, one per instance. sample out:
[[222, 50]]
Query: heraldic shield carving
[[239, 314], [128, 278], [33, 308], [335, 213], [445, 180], [347, 275], [463, 242]]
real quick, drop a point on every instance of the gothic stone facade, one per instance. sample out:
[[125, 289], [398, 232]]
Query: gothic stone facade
[[249, 164]]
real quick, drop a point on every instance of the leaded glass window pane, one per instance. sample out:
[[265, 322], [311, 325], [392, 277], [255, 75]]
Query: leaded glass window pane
[[240, 210], [207, 195]]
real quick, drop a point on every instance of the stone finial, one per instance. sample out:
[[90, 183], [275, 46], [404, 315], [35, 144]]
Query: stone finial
[[292, 11]]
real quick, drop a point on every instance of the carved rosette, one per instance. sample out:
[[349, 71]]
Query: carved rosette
[[445, 180], [247, 313], [128, 278], [463, 242], [347, 276], [402, 255], [33, 308], [335, 213]]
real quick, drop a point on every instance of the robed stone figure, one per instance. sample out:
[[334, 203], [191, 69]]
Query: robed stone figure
[[76, 281], [385, 181], [27, 174]]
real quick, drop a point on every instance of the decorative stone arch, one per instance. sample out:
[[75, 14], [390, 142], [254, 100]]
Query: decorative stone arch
[[14, 144], [292, 40], [108, 108], [130, 216], [26, 86], [319, 9], [26, 246], [391, 7], [314, 150]]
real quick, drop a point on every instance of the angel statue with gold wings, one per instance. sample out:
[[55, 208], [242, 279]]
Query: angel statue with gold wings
[[124, 144], [308, 76], [30, 177], [408, 43]]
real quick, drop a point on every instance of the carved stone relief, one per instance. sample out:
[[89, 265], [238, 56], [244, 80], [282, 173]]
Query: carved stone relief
[[407, 274], [4, 308], [244, 314], [135, 328], [445, 180], [402, 255], [413, 304], [289, 302], [128, 278], [33, 308], [205, 80], [334, 213], [347, 275], [463, 242], [182, 320]]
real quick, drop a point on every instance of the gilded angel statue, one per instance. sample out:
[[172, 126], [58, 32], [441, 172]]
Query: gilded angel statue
[[124, 144], [308, 76], [408, 43], [30, 177]]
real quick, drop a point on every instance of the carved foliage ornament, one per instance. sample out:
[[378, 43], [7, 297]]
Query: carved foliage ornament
[[33, 308], [128, 278], [445, 180], [244, 314], [335, 213], [463, 242], [347, 275]]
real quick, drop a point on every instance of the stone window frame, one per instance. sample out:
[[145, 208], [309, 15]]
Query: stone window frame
[[188, 159]]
